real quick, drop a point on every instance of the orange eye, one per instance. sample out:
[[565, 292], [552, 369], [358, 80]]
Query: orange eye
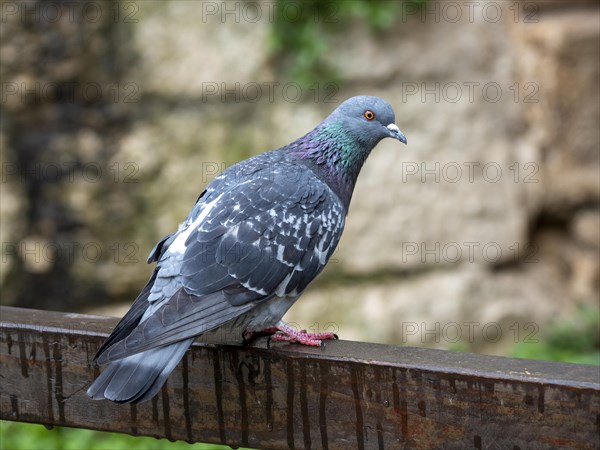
[[369, 115]]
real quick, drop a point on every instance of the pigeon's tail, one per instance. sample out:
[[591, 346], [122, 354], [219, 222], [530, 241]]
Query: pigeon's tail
[[139, 377]]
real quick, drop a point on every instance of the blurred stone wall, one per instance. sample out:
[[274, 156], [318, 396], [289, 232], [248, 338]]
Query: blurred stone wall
[[482, 229]]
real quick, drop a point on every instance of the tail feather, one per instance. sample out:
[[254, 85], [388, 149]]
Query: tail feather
[[131, 320], [138, 378]]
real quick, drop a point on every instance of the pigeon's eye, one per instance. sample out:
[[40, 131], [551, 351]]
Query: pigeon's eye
[[369, 115]]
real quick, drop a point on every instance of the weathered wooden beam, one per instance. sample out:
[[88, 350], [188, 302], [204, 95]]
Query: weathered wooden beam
[[346, 395]]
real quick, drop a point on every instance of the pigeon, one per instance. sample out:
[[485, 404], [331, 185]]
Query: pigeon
[[256, 237]]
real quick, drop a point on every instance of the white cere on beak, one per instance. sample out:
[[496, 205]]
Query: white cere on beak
[[396, 133], [392, 127]]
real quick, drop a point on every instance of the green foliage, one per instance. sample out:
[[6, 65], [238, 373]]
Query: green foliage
[[301, 31], [575, 339], [26, 436]]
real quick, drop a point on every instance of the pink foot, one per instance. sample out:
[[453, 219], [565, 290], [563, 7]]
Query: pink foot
[[285, 333]]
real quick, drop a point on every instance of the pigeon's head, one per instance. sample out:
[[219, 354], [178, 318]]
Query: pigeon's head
[[368, 120], [338, 147]]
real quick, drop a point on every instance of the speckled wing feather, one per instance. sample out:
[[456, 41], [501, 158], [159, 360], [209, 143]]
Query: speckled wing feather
[[261, 230]]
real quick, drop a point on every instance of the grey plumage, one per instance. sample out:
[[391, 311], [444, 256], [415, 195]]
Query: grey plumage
[[256, 237]]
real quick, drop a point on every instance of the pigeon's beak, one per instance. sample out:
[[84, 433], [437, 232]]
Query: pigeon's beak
[[396, 133]]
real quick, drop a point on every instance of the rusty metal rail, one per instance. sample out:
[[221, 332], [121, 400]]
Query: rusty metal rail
[[344, 396]]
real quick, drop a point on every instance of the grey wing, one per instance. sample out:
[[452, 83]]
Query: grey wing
[[266, 236], [274, 237]]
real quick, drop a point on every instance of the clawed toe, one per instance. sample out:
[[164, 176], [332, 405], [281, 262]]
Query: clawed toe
[[285, 333]]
